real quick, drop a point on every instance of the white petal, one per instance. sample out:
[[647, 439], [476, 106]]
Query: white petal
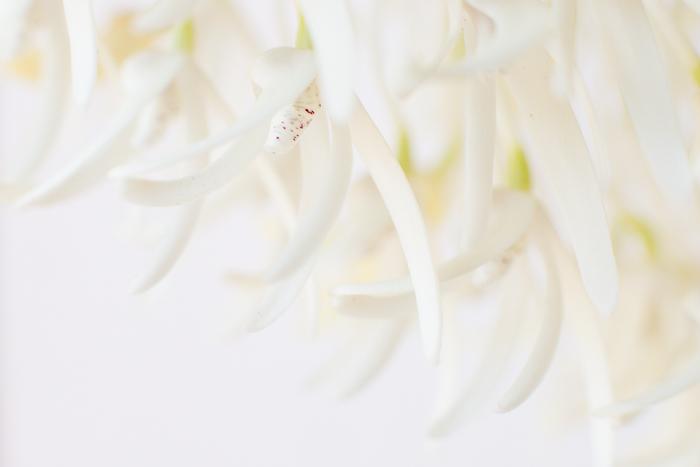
[[478, 157], [494, 359], [377, 347], [543, 351], [693, 5], [275, 187], [562, 150], [182, 225], [316, 223], [456, 18], [170, 248], [676, 384], [45, 126], [164, 14], [635, 59], [280, 296], [144, 77], [512, 215], [283, 74], [190, 188], [13, 22], [83, 48], [330, 28], [366, 306], [602, 157], [581, 319], [405, 213], [518, 26], [563, 48]]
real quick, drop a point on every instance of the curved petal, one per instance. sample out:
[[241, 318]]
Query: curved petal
[[634, 56], [280, 296], [405, 213], [518, 26], [602, 157], [494, 359], [317, 222], [456, 19], [563, 48], [170, 248], [676, 384], [283, 74], [512, 215], [83, 48], [184, 221], [330, 28], [45, 127], [144, 77], [164, 14], [377, 347], [366, 306], [693, 5], [543, 351], [193, 187], [563, 153], [595, 364], [275, 187], [13, 21]]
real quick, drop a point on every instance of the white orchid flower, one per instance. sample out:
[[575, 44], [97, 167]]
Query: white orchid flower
[[287, 75]]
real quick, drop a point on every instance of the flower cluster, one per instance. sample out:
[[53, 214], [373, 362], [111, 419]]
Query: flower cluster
[[536, 151]]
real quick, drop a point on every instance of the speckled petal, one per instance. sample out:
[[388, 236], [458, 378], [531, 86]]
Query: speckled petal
[[330, 28], [283, 74], [315, 224]]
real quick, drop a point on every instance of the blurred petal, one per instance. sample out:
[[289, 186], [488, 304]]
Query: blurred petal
[[280, 296], [144, 77], [478, 157], [283, 74], [676, 384], [315, 224], [164, 14], [192, 187], [405, 213], [494, 359], [543, 351], [563, 47], [517, 27], [83, 48], [634, 56], [377, 346], [512, 215], [562, 150], [594, 361], [45, 126], [456, 18], [184, 220], [13, 21], [330, 27]]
